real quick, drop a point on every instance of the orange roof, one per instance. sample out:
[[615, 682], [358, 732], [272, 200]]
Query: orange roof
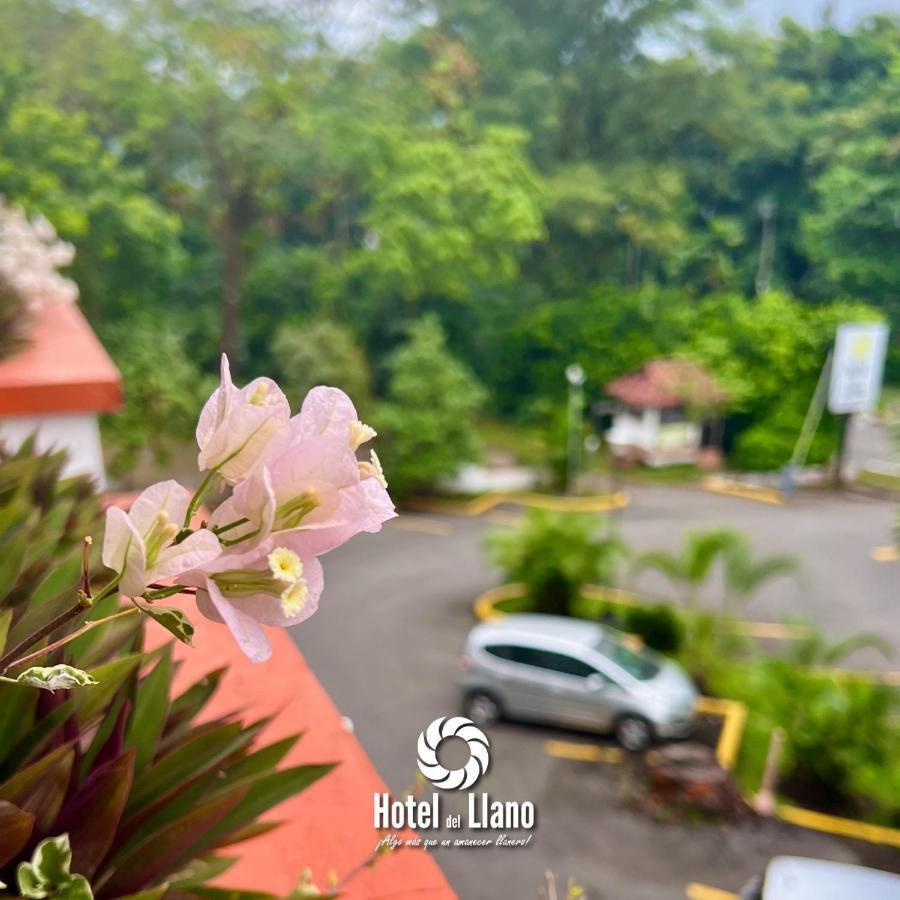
[[665, 383], [62, 369]]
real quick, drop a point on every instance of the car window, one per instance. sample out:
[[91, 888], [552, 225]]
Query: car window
[[639, 665], [501, 651], [543, 659]]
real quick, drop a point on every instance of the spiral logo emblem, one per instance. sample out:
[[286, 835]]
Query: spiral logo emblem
[[479, 756]]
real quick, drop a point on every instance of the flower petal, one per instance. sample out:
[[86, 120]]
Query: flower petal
[[325, 410], [247, 631], [165, 496], [196, 550], [124, 552]]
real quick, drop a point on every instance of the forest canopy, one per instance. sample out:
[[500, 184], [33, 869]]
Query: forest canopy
[[550, 181]]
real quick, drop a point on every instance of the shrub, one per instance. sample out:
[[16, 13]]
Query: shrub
[[145, 793], [658, 626], [843, 737], [553, 554]]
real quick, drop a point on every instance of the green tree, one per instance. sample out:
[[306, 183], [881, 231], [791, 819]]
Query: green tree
[[163, 388], [427, 417], [320, 352]]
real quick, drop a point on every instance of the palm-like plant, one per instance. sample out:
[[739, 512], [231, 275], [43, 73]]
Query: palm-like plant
[[689, 567], [746, 574]]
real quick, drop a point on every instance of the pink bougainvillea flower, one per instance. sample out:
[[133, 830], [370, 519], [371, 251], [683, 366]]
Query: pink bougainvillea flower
[[237, 425], [138, 544], [313, 482], [271, 584]]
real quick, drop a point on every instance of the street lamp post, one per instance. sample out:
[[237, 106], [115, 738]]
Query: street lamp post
[[575, 377]]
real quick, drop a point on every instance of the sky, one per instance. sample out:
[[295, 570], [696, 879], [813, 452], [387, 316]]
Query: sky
[[766, 13]]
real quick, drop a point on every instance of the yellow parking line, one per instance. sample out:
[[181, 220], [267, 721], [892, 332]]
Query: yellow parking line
[[806, 818], [583, 752], [888, 553], [695, 891], [421, 524], [734, 716], [485, 503], [718, 485]]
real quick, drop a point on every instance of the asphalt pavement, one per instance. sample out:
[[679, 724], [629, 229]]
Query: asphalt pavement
[[398, 605]]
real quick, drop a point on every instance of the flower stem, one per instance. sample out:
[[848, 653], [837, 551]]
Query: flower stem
[[85, 601], [197, 499], [6, 661], [69, 637]]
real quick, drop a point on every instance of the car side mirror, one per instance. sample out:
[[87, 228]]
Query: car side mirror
[[595, 682]]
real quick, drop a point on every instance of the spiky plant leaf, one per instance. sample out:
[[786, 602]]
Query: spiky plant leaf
[[15, 829]]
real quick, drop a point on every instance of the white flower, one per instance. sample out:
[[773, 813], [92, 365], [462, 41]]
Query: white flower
[[139, 544]]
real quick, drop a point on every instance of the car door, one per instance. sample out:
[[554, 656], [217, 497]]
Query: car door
[[519, 680], [578, 693]]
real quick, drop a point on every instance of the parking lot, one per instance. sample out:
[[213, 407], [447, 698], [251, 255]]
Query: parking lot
[[407, 593]]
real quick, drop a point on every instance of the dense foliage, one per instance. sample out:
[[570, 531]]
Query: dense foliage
[[594, 181], [554, 554]]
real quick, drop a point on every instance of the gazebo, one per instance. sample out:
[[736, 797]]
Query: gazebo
[[56, 386], [665, 414]]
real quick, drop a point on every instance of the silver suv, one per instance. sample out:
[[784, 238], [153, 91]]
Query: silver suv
[[577, 673]]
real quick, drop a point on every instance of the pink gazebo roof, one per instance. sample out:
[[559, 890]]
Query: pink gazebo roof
[[63, 369], [664, 383]]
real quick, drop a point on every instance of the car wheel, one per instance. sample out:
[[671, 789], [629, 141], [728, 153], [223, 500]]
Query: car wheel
[[634, 733], [482, 709]]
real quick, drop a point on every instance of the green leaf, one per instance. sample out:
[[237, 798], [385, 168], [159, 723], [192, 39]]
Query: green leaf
[[5, 619], [203, 749], [76, 888], [52, 858], [110, 677], [184, 707], [213, 781], [48, 874], [16, 715], [154, 893], [173, 620], [215, 893], [150, 710], [267, 791], [55, 678], [91, 817], [156, 854], [15, 829], [41, 787], [201, 870]]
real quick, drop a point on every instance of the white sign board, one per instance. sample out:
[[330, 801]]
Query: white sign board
[[857, 366]]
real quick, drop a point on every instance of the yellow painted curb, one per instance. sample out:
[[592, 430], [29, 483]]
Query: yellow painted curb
[[485, 610], [420, 524], [694, 891], [734, 717], [806, 818], [486, 502], [718, 485], [888, 553], [583, 752], [775, 631]]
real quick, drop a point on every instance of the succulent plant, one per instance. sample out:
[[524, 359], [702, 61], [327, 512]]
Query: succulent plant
[[142, 788]]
